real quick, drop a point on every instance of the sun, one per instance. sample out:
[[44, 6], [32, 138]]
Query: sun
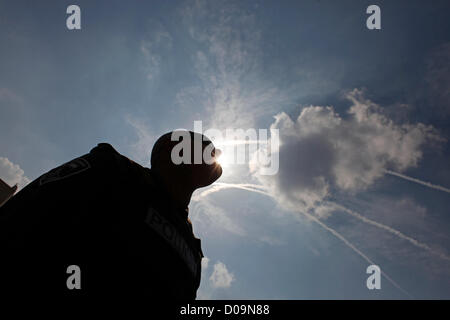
[[224, 159]]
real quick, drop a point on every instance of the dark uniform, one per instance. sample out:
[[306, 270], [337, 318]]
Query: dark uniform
[[107, 215]]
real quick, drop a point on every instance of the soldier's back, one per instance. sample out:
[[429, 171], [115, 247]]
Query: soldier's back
[[93, 212]]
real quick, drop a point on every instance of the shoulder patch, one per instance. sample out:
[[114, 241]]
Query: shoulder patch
[[66, 170]]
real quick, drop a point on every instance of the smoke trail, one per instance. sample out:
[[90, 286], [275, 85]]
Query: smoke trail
[[257, 188], [262, 190], [238, 142], [247, 185], [221, 186], [391, 230], [351, 246], [424, 183]]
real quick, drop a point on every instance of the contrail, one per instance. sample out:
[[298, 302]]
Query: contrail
[[247, 185], [424, 183], [243, 186], [257, 188], [238, 142], [351, 246], [391, 230], [262, 190]]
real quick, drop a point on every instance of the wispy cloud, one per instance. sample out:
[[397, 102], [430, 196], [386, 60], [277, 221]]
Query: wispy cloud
[[157, 41], [141, 148], [438, 79], [228, 64], [209, 217]]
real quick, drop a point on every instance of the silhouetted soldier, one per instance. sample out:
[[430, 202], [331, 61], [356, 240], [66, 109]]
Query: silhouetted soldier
[[124, 225]]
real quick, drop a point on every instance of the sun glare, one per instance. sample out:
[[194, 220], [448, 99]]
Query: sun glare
[[224, 159]]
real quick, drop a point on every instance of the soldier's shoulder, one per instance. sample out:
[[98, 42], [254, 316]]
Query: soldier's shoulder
[[120, 162], [104, 147], [105, 151]]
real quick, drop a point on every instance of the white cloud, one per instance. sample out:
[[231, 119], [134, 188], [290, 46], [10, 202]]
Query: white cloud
[[12, 173], [322, 150], [221, 277], [205, 262]]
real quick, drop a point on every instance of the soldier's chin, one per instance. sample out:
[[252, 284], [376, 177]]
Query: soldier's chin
[[214, 173], [217, 172]]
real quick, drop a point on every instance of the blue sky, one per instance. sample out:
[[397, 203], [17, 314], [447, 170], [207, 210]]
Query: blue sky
[[351, 105]]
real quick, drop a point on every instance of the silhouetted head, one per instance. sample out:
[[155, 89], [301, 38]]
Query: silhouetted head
[[186, 157]]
